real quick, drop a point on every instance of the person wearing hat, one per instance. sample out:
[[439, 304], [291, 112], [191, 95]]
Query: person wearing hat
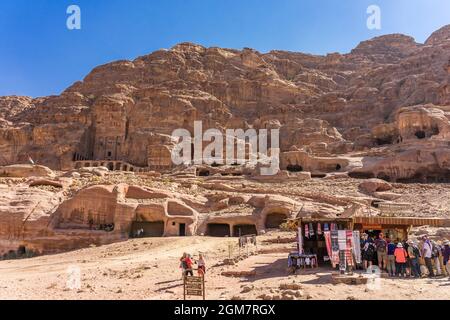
[[427, 253], [400, 260], [414, 255], [446, 254]]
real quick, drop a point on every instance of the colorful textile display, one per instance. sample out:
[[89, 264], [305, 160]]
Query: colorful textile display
[[306, 231], [342, 239], [300, 241], [311, 230], [342, 244], [327, 236], [342, 261], [319, 229], [349, 249], [333, 227], [356, 246], [334, 248], [326, 227]]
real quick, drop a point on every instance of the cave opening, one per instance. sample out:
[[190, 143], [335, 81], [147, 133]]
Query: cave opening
[[361, 175], [275, 220], [384, 176], [218, 230], [294, 168], [204, 173], [244, 230], [384, 141], [421, 134]]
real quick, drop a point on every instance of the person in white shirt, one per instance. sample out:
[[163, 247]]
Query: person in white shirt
[[427, 253]]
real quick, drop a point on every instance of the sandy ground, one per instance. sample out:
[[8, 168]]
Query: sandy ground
[[149, 269]]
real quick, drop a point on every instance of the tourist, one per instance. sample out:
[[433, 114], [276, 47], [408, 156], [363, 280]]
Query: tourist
[[427, 252], [368, 252], [381, 247], [408, 261], [437, 253], [188, 264], [201, 265], [391, 246], [183, 265], [446, 255], [414, 255], [400, 260]]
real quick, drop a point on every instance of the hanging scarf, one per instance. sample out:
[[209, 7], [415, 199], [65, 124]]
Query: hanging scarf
[[356, 246], [311, 230], [319, 229], [334, 248], [328, 244], [306, 231], [349, 248], [326, 227]]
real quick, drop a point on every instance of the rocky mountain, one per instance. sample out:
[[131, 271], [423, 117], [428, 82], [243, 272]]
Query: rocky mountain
[[125, 110], [380, 113]]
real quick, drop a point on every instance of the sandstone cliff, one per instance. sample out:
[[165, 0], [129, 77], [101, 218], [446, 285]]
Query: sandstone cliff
[[124, 109]]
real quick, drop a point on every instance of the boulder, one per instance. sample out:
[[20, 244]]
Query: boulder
[[25, 171], [374, 185]]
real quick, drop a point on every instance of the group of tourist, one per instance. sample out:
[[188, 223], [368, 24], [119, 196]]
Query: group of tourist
[[406, 258], [187, 263]]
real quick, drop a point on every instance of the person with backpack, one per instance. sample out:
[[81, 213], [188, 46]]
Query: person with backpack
[[414, 255], [381, 247], [400, 260], [368, 252]]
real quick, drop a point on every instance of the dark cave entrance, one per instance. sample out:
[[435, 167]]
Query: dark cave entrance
[[244, 230], [294, 168], [218, 230], [420, 134], [274, 220]]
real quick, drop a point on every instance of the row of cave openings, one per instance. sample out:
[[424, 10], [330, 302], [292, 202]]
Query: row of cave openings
[[112, 166], [420, 177], [419, 134], [156, 228], [207, 173], [295, 168]]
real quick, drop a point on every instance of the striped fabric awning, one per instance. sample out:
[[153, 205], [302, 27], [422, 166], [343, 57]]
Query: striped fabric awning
[[416, 222]]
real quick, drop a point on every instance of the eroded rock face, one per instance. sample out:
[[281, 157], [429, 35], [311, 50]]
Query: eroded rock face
[[126, 110], [381, 111]]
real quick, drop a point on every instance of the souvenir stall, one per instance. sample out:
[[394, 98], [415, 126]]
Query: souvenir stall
[[325, 242]]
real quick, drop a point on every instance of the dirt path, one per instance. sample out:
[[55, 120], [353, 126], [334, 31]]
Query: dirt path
[[149, 269]]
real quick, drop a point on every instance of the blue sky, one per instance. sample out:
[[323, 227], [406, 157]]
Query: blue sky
[[40, 56]]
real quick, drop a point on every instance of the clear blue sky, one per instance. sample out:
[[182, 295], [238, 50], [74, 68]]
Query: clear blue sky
[[40, 56]]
